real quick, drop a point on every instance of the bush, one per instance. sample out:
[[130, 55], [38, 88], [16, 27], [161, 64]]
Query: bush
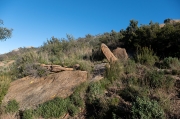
[[28, 114], [130, 67], [95, 91], [27, 65], [170, 62], [169, 82], [73, 110], [131, 80], [114, 72], [77, 99], [5, 80], [29, 69], [114, 101], [143, 108], [12, 106], [154, 79], [53, 108], [129, 94], [146, 56]]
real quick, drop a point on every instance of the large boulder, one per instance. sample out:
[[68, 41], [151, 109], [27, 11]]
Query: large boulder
[[29, 91], [109, 55], [120, 53]]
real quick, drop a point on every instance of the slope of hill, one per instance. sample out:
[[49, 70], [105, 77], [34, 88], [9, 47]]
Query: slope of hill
[[146, 85]]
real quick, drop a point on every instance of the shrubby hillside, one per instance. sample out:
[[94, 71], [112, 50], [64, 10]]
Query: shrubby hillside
[[147, 85]]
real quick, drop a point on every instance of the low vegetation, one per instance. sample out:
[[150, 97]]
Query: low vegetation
[[144, 86]]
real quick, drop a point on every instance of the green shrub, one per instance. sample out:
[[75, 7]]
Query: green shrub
[[95, 91], [73, 110], [130, 80], [28, 114], [143, 108], [146, 56], [54, 60], [113, 101], [115, 71], [154, 79], [53, 108], [129, 94], [170, 62], [29, 69], [5, 80], [12, 106], [169, 82], [130, 67], [77, 99], [157, 79]]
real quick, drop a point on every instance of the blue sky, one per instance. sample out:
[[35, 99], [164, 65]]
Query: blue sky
[[35, 21]]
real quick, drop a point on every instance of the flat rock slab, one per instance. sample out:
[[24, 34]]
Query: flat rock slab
[[29, 91]]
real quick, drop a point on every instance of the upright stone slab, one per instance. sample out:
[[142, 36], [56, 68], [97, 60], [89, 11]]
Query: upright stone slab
[[109, 55]]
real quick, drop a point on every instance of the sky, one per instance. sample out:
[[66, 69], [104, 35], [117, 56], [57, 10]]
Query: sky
[[35, 21]]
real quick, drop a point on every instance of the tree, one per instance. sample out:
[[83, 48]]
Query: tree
[[4, 32], [167, 20]]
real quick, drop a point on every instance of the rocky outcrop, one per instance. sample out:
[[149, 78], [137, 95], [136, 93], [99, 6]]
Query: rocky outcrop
[[29, 91], [56, 68], [171, 21], [120, 53], [109, 55]]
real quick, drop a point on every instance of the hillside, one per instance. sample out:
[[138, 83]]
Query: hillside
[[139, 78]]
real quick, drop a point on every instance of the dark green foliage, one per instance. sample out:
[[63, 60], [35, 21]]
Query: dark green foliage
[[146, 56], [5, 80], [132, 80], [170, 62], [12, 106], [77, 99], [54, 108], [154, 79], [4, 32], [167, 20], [28, 114], [143, 108], [164, 41], [73, 110], [130, 67], [58, 107], [129, 94], [95, 91], [169, 82], [113, 73]]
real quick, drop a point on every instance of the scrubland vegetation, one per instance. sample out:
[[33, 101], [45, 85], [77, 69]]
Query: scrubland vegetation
[[143, 87]]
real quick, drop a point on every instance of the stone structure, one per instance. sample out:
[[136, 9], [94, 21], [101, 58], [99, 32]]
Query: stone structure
[[109, 55], [30, 91], [120, 53]]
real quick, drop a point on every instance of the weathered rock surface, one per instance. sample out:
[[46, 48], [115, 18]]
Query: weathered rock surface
[[30, 91], [109, 55], [120, 53], [1, 64], [56, 68]]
